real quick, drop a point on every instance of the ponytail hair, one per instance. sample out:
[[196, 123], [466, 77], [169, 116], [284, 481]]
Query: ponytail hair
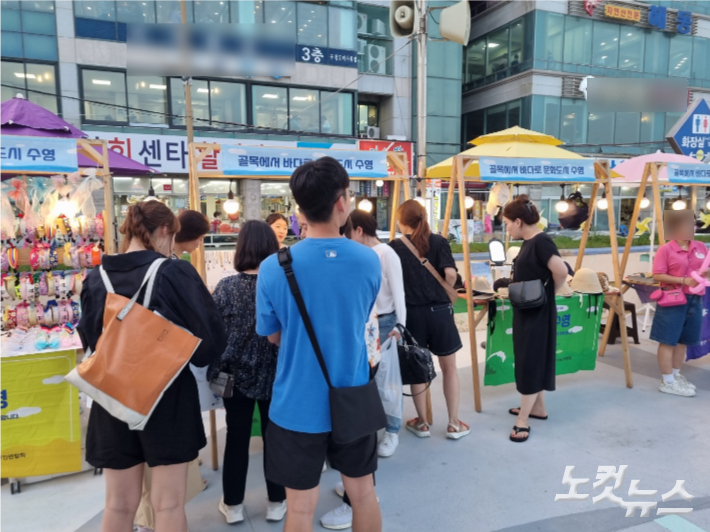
[[143, 219], [413, 215]]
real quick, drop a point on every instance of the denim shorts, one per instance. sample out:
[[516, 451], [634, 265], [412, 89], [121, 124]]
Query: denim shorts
[[680, 324]]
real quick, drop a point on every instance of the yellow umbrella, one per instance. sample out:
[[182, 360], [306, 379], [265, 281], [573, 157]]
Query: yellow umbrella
[[511, 142]]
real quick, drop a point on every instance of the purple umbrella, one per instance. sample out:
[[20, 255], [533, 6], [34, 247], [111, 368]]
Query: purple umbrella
[[21, 117]]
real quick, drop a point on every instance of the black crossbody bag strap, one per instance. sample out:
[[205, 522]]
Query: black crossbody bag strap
[[285, 260]]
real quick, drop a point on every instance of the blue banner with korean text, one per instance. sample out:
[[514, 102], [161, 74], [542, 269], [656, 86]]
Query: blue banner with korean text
[[255, 161], [320, 55], [38, 154], [524, 170], [689, 173]]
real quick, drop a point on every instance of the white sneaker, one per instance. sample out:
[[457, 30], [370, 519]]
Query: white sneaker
[[676, 388], [340, 489], [685, 382], [275, 511], [233, 514], [388, 445], [338, 519]]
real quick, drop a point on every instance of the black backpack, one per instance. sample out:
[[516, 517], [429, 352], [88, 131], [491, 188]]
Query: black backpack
[[576, 214]]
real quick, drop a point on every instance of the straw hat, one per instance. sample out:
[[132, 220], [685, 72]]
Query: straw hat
[[482, 287], [565, 290], [604, 281], [585, 281], [512, 254]]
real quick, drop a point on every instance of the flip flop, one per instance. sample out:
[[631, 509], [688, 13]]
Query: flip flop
[[531, 415], [518, 430]]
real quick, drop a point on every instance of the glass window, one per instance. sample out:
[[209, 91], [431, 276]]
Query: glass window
[[151, 94], [10, 20], [495, 118], [211, 11], [652, 125], [631, 48], [605, 48], [549, 35], [284, 14], [336, 113], [546, 115], [304, 110], [200, 102], [497, 49], [656, 60], [578, 41], [41, 5], [627, 128], [701, 58], [680, 54], [98, 9], [312, 24], [228, 103], [135, 11], [247, 11], [514, 108], [517, 36], [39, 47], [13, 74], [342, 28], [475, 60], [270, 106], [168, 11], [601, 128], [573, 128], [36, 22], [11, 43], [368, 115], [10, 4], [671, 119], [41, 79], [474, 124], [104, 95]]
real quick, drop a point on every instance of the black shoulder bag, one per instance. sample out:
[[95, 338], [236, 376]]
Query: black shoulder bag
[[356, 411], [415, 362], [527, 294]]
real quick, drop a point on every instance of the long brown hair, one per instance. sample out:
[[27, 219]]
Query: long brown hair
[[143, 219], [413, 215]]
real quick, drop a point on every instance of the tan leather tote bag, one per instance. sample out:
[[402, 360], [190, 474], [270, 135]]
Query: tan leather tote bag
[[137, 357]]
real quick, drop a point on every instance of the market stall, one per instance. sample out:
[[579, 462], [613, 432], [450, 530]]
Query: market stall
[[52, 234], [657, 170], [271, 163], [557, 170]]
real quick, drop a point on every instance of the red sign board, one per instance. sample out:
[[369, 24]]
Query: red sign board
[[167, 188], [390, 145]]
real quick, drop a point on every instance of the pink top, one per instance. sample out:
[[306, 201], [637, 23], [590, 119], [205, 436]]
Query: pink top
[[672, 260]]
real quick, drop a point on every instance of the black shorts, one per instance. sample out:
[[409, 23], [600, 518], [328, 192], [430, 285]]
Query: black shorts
[[295, 459], [433, 327]]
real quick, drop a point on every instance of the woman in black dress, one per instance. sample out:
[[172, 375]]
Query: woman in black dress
[[174, 434], [534, 330]]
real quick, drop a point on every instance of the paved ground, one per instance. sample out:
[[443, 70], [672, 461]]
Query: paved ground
[[483, 482]]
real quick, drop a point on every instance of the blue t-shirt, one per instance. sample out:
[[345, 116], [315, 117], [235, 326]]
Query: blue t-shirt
[[339, 280]]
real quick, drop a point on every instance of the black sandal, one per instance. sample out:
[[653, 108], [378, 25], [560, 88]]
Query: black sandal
[[518, 430], [531, 415]]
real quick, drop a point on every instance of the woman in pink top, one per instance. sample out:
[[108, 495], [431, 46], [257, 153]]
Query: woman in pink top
[[678, 326]]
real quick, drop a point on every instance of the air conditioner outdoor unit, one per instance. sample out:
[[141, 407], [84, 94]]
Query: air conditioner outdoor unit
[[373, 132], [376, 55], [377, 27], [361, 23]]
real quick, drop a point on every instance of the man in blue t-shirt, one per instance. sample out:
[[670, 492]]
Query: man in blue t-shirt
[[339, 280]]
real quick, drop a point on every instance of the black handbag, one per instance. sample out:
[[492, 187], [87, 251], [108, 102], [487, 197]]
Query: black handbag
[[415, 362], [355, 411], [576, 214], [527, 294]]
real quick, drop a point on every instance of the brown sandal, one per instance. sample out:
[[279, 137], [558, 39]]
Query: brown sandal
[[418, 427]]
